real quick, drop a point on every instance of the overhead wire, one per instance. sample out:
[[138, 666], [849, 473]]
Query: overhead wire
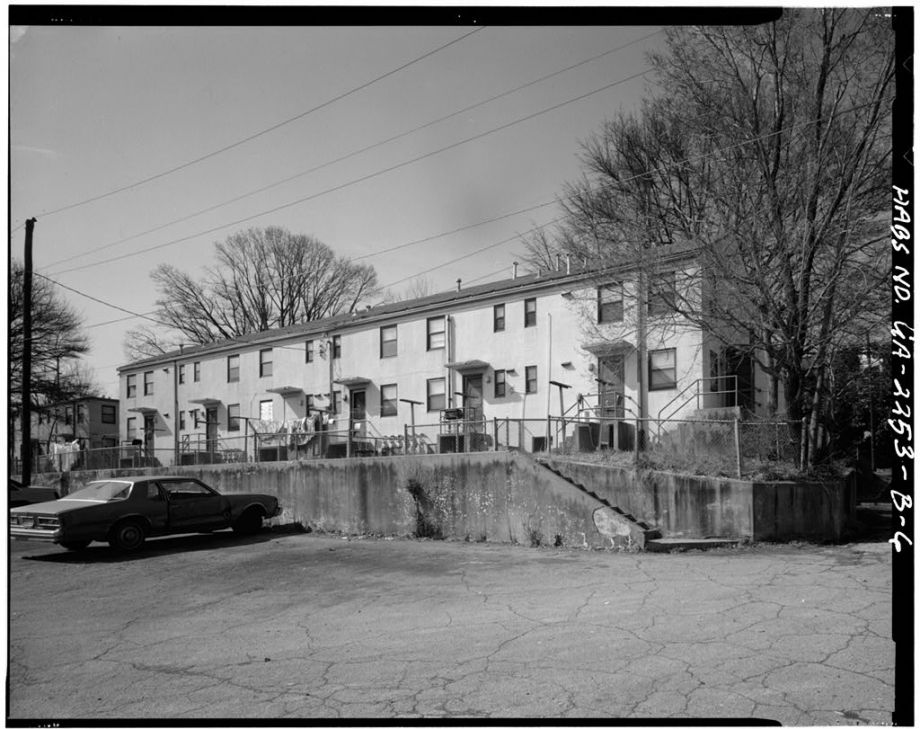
[[363, 178], [261, 132], [356, 152]]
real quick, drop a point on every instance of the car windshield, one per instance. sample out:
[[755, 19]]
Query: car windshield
[[103, 491]]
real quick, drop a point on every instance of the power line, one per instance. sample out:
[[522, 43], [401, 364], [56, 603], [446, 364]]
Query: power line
[[262, 132], [97, 300], [356, 152], [364, 178]]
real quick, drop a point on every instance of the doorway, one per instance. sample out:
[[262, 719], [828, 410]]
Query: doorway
[[358, 412], [210, 429], [149, 430], [472, 397]]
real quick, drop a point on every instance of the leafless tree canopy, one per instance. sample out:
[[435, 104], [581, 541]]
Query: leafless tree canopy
[[261, 279], [768, 150]]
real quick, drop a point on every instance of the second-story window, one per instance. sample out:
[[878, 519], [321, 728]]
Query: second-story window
[[131, 384], [530, 379], [337, 347], [388, 341], [530, 312], [498, 318], [436, 332], [196, 372], [309, 350], [181, 374], [661, 293], [610, 303], [148, 383], [265, 363], [233, 368]]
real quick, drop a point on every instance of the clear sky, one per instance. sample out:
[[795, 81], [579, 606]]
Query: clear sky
[[95, 109]]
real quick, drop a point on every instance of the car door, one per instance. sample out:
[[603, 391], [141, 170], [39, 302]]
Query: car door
[[194, 507]]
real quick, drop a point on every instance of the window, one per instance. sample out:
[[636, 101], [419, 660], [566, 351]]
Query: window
[[233, 368], [266, 411], [662, 369], [336, 402], [182, 420], [310, 405], [148, 383], [436, 337], [436, 394], [661, 293], [336, 347], [500, 390], [530, 379], [109, 414], [610, 303], [498, 318], [530, 312], [81, 413], [181, 374], [310, 350], [387, 400], [265, 363], [388, 341], [233, 417], [131, 430], [132, 385], [196, 372], [68, 417]]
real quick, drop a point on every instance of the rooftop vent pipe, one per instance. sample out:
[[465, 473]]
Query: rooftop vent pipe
[[458, 284], [514, 270]]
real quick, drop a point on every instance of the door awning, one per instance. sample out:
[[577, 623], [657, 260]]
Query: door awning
[[143, 410], [469, 364], [208, 402], [286, 390], [352, 381], [606, 349]]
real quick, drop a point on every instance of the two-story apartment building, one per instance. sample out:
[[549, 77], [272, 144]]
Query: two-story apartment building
[[598, 344]]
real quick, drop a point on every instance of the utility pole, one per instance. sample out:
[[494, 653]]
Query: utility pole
[[26, 451]]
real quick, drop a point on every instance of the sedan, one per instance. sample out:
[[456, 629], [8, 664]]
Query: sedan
[[21, 495], [125, 511]]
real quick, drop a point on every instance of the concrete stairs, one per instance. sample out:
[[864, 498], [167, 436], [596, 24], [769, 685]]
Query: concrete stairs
[[610, 519]]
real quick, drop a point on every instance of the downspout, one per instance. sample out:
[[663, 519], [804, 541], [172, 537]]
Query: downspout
[[175, 412], [448, 379], [549, 375]]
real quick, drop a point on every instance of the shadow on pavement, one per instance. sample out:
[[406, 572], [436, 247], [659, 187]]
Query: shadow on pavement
[[155, 547]]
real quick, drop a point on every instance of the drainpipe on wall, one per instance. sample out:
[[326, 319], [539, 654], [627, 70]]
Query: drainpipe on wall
[[448, 375], [549, 374], [175, 412]]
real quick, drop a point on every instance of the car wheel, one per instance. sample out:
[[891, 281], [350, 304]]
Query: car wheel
[[75, 546], [127, 536], [249, 522]]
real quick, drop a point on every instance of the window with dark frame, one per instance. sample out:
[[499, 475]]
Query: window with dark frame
[[500, 389], [436, 332], [265, 363], [196, 371], [109, 414], [530, 312], [131, 429], [388, 341], [233, 368], [336, 346], [610, 303], [336, 402], [182, 420], [182, 374], [498, 318], [148, 383], [309, 348], [233, 417], [436, 394], [131, 382], [388, 400], [530, 379], [662, 369]]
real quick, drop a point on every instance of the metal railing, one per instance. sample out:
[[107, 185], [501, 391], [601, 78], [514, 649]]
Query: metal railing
[[723, 397]]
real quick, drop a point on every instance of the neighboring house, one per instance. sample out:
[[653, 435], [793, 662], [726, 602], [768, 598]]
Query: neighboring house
[[510, 352]]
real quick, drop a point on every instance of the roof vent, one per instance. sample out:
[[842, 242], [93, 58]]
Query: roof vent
[[514, 270], [459, 281]]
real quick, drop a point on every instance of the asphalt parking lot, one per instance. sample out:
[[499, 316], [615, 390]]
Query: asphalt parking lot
[[288, 625]]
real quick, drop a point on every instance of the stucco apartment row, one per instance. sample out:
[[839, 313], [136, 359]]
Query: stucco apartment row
[[523, 348]]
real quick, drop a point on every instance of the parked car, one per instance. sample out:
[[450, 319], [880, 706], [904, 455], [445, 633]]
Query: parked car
[[125, 511], [21, 495]]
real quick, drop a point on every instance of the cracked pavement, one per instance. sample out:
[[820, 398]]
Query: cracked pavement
[[290, 625]]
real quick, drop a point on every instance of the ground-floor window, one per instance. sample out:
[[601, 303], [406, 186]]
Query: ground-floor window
[[662, 369], [436, 394]]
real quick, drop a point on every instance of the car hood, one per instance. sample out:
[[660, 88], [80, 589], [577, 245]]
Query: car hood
[[55, 507]]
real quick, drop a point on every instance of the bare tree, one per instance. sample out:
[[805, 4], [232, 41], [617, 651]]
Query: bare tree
[[262, 279], [768, 152]]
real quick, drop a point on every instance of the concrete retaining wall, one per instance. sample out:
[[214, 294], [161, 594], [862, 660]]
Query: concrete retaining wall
[[507, 497], [682, 505]]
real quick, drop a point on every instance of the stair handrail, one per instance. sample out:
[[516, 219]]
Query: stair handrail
[[696, 384]]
